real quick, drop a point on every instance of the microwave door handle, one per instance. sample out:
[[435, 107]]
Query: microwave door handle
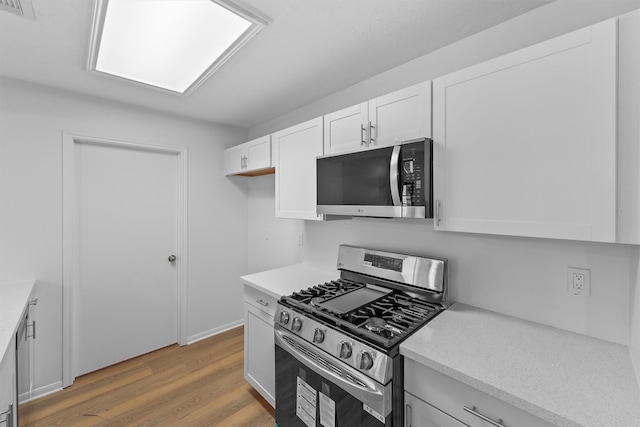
[[394, 172]]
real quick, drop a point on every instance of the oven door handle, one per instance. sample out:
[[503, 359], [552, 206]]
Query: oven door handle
[[369, 392]]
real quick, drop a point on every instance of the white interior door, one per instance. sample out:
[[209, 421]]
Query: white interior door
[[124, 297]]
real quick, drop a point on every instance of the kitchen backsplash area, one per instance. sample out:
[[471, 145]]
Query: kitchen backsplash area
[[522, 277]]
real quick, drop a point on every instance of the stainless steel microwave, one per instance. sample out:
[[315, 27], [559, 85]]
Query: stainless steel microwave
[[387, 182]]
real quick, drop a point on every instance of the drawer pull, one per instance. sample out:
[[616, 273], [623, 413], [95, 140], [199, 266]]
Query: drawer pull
[[261, 302], [8, 417], [473, 411]]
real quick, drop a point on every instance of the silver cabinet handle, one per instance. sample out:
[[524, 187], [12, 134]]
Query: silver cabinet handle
[[473, 411], [262, 303], [437, 213], [172, 258], [8, 417], [408, 415], [362, 140], [26, 335], [371, 138]]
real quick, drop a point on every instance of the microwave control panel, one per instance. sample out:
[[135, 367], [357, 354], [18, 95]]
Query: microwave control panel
[[412, 175]]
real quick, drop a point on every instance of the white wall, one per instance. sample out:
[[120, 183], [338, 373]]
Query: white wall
[[634, 325], [517, 276], [272, 242], [522, 277], [32, 119]]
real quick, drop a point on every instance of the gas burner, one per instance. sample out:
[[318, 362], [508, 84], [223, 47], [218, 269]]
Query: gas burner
[[375, 324]]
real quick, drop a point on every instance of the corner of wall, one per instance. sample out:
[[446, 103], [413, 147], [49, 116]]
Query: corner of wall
[[634, 318]]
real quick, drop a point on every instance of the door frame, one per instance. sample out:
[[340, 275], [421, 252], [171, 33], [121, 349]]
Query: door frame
[[69, 238]]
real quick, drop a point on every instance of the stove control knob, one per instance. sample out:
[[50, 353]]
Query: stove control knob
[[365, 360], [344, 350], [296, 325], [318, 335], [284, 317]]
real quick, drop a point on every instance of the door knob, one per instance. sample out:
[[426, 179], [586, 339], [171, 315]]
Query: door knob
[[172, 258]]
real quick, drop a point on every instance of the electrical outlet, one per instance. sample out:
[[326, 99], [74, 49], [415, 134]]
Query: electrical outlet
[[578, 281]]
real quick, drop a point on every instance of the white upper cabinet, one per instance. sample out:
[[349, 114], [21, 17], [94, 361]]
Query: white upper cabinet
[[401, 115], [347, 129], [629, 128], [387, 120], [294, 156], [525, 144], [248, 158]]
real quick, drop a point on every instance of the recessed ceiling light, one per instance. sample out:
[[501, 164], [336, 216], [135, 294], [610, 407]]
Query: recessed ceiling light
[[169, 44]]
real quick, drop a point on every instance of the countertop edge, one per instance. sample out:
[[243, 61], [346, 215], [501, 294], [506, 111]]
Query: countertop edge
[[434, 331], [491, 390], [286, 280]]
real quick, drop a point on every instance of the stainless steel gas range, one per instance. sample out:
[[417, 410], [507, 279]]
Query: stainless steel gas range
[[337, 343]]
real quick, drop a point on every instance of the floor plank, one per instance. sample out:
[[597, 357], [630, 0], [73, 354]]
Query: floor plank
[[197, 385]]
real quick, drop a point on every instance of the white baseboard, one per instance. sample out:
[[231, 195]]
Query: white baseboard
[[40, 392], [215, 331]]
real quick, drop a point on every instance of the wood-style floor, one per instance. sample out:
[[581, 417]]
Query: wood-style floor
[[201, 384]]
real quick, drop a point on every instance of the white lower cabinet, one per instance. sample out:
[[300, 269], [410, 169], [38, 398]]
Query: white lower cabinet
[[8, 395], [259, 350], [420, 414], [433, 399]]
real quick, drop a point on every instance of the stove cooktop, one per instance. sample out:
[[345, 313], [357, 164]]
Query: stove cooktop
[[375, 314]]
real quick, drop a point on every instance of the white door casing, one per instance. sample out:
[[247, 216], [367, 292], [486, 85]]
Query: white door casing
[[169, 297]]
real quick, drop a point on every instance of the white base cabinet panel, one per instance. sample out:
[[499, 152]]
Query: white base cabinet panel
[[450, 397], [420, 414], [259, 346], [525, 144], [8, 394]]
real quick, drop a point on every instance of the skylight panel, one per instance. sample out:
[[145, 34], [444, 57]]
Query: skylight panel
[[170, 44]]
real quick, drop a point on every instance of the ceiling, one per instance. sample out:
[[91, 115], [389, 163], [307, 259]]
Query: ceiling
[[310, 49]]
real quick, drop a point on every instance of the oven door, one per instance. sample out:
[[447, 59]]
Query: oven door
[[314, 389]]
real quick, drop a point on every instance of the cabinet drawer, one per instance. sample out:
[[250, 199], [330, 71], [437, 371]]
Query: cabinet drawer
[[452, 396], [421, 414], [260, 300]]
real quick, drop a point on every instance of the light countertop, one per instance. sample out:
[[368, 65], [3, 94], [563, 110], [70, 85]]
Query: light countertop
[[286, 280], [565, 378], [14, 297]]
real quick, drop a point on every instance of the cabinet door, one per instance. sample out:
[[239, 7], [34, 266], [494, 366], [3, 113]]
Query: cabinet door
[[234, 159], [8, 392], [347, 129], [401, 115], [629, 128], [259, 352], [526, 144], [258, 153], [421, 414], [295, 150]]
